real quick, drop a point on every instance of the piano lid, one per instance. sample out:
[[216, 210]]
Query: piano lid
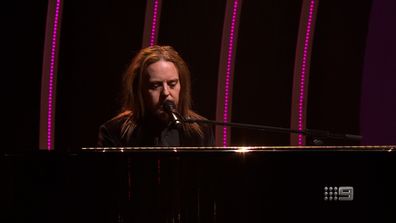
[[379, 148]]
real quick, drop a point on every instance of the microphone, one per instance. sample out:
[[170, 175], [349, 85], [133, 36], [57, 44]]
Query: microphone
[[175, 118]]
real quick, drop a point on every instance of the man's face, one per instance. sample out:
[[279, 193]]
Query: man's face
[[161, 83]]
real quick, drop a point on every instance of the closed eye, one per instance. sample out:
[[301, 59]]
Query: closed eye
[[155, 85], [173, 83]]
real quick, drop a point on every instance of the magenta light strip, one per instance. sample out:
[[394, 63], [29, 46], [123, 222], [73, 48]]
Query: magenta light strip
[[51, 77], [154, 23], [229, 70], [303, 72]]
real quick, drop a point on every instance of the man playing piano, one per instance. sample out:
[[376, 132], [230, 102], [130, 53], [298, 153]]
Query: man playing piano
[[156, 100]]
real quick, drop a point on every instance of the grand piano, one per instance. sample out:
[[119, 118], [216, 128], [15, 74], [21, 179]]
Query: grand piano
[[206, 184]]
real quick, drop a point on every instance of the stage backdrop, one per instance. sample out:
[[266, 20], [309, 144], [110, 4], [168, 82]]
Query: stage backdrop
[[346, 91]]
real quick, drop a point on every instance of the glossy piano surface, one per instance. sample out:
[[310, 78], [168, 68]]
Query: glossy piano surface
[[211, 184]]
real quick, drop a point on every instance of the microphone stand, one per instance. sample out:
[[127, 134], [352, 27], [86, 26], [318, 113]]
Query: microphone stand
[[307, 132]]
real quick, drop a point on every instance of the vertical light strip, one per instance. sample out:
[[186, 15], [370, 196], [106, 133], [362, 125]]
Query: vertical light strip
[[301, 71], [51, 78], [301, 97], [49, 75], [154, 24], [228, 72], [226, 69], [151, 23]]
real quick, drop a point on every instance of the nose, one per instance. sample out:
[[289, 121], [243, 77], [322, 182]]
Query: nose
[[165, 90]]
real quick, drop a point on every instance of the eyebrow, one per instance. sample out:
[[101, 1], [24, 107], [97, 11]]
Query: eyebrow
[[159, 81]]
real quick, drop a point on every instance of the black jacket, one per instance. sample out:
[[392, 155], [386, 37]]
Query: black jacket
[[122, 131]]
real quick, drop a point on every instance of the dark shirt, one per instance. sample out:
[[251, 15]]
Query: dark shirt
[[123, 132]]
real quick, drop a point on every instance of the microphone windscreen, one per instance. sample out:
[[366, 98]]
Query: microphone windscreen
[[169, 106]]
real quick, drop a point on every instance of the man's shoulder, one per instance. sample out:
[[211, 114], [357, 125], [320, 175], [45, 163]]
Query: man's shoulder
[[118, 120]]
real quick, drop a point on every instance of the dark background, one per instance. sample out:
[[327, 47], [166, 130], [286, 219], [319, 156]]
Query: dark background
[[348, 93], [351, 90]]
